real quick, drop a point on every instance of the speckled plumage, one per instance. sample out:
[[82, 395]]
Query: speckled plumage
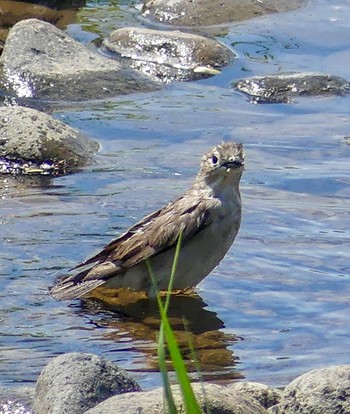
[[208, 214]]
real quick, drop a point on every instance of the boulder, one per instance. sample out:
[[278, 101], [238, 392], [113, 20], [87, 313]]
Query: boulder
[[211, 12], [321, 391], [282, 87], [212, 398], [169, 54], [34, 142], [41, 61], [75, 382], [265, 395]]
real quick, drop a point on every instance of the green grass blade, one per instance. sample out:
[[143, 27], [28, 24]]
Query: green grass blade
[[173, 271], [190, 402], [196, 364], [164, 372], [161, 354], [166, 332]]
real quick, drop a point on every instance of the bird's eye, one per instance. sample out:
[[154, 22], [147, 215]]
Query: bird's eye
[[214, 159]]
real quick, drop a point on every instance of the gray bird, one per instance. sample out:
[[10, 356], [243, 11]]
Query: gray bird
[[209, 216]]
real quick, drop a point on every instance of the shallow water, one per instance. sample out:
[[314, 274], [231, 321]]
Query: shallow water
[[283, 288]]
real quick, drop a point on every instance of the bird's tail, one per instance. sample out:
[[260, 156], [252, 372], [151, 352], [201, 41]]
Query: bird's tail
[[69, 287]]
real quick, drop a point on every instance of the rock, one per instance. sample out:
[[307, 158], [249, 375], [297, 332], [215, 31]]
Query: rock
[[13, 11], [31, 141], [322, 391], [210, 12], [16, 400], [14, 407], [266, 396], [216, 399], [41, 61], [280, 87], [154, 52], [75, 382]]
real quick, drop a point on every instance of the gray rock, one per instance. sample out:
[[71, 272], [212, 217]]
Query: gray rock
[[281, 87], [73, 383], [322, 391], [265, 395], [210, 12], [41, 61], [215, 399], [191, 56], [16, 400], [14, 407], [31, 140]]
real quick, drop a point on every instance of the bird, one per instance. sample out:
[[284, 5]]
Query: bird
[[208, 216]]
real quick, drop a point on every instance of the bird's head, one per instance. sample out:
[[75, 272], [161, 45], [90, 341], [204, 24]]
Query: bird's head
[[222, 165]]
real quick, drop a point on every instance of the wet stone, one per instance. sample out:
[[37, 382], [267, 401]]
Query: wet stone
[[211, 12], [9, 166], [32, 142], [16, 400], [41, 61], [169, 55], [282, 87], [14, 407]]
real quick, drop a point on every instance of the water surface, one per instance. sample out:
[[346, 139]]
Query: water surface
[[277, 306]]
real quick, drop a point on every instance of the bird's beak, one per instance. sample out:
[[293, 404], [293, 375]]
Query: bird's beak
[[236, 163]]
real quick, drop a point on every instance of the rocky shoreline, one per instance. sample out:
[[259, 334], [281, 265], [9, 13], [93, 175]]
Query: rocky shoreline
[[80, 383], [41, 65]]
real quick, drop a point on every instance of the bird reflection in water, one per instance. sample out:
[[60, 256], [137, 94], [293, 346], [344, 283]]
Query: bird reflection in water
[[129, 314]]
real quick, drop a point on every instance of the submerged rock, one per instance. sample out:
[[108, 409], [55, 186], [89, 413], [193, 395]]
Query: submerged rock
[[14, 407], [210, 12], [13, 186], [32, 142], [281, 87], [75, 382], [41, 61], [16, 400], [169, 55]]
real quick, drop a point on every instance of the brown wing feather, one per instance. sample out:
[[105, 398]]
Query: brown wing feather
[[161, 233], [103, 254], [154, 234]]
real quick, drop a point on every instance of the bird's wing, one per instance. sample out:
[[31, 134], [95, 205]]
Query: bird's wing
[[157, 232], [154, 234]]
